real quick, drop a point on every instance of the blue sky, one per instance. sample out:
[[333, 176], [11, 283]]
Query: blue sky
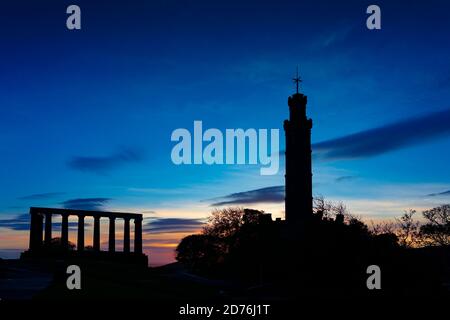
[[89, 113]]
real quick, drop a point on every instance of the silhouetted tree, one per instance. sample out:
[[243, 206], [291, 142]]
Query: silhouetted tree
[[340, 208], [224, 222], [322, 207], [384, 227], [356, 223], [436, 231], [200, 252], [407, 231], [56, 245], [228, 233]]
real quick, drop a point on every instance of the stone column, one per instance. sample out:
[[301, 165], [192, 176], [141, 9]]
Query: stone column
[[138, 235], [48, 229], [80, 238], [126, 235], [96, 233], [36, 231], [112, 234], [65, 231]]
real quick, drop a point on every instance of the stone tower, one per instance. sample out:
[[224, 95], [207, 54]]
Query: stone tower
[[298, 175]]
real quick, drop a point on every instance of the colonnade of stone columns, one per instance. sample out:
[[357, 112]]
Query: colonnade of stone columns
[[37, 222]]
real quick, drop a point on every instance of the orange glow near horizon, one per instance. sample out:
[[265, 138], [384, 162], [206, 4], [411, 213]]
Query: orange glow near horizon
[[160, 247]]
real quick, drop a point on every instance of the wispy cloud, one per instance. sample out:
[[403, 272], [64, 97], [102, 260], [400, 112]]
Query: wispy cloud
[[22, 223], [345, 178], [274, 194], [19, 223], [85, 203], [102, 164], [386, 138], [444, 193], [330, 39], [42, 196], [171, 225]]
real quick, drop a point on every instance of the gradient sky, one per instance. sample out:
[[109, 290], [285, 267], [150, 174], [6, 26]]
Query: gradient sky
[[86, 116]]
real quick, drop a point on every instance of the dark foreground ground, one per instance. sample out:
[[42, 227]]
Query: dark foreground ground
[[40, 280], [165, 292]]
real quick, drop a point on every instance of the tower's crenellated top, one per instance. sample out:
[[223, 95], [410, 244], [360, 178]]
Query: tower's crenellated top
[[297, 103], [297, 100], [297, 107]]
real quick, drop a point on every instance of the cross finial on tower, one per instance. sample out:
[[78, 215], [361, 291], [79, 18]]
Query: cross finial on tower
[[297, 80]]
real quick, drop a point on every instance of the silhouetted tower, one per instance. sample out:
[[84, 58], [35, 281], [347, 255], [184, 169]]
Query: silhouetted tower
[[298, 175]]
